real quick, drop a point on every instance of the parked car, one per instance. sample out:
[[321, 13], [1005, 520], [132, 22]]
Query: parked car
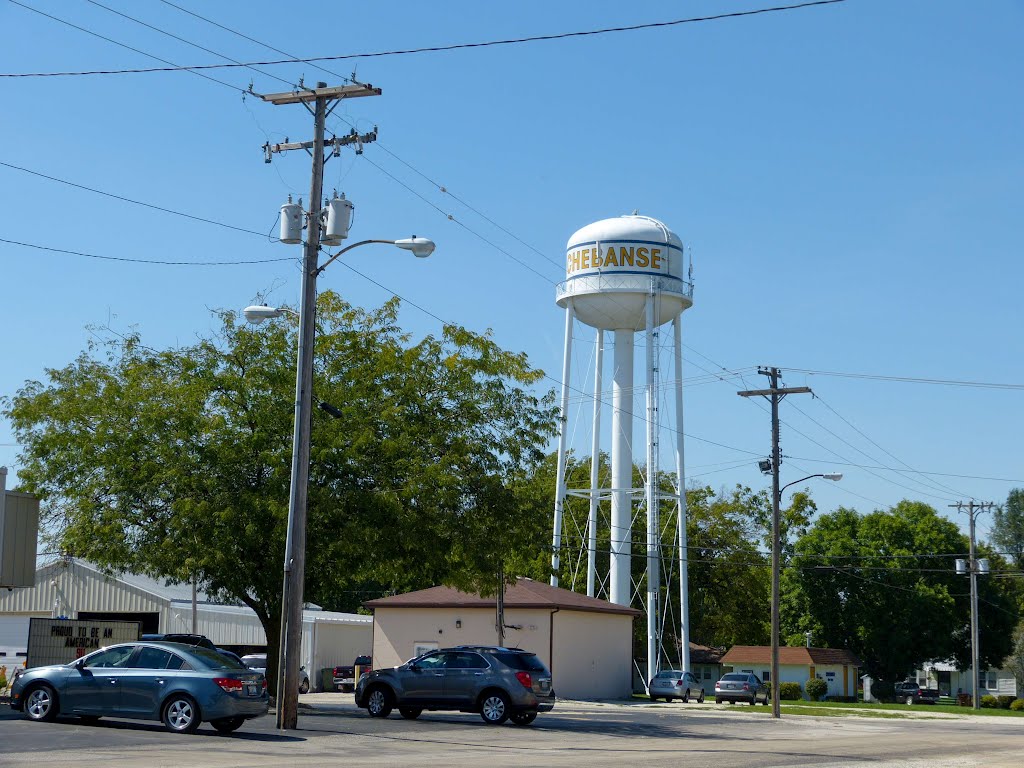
[[189, 639], [345, 676], [910, 692], [675, 684], [181, 637], [498, 683], [741, 686], [258, 662], [182, 685]]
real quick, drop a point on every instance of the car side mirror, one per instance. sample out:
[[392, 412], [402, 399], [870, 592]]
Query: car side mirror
[[414, 666], [80, 665]]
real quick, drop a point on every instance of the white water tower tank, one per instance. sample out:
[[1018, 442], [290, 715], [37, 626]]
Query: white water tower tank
[[613, 265]]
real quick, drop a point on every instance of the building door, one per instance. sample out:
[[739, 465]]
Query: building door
[[945, 683]]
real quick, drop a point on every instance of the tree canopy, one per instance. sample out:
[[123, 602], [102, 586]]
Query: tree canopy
[[1008, 526], [176, 463], [884, 585]]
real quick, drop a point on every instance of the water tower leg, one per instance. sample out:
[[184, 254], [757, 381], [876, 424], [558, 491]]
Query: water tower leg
[[556, 539], [653, 524], [684, 588], [595, 465], [622, 469]]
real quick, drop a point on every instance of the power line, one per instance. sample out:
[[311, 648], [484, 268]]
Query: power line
[[911, 379], [402, 52], [134, 202], [173, 66], [144, 261], [187, 42]]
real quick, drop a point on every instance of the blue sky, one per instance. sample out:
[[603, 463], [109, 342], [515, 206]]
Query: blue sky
[[848, 179]]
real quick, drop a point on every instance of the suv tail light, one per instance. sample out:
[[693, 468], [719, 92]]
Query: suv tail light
[[525, 679], [746, 686], [264, 685], [230, 684], [679, 681]]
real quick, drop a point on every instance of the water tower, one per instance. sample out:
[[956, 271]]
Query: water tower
[[626, 275]]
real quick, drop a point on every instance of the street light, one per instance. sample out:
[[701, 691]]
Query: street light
[[776, 551], [295, 544]]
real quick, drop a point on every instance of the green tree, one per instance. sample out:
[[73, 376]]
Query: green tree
[[883, 585], [176, 463], [1008, 526]]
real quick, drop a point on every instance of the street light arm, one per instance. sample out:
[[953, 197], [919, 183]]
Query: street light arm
[[819, 474], [348, 248]]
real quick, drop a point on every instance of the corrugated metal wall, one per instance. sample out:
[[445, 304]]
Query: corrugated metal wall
[[67, 588]]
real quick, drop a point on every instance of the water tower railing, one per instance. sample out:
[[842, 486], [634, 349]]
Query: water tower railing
[[623, 283]]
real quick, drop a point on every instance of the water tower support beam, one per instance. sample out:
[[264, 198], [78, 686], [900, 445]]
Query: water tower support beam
[[563, 420], [653, 523], [595, 465], [684, 588], [622, 469]]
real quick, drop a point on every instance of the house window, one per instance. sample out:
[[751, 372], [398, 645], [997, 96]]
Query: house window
[[707, 674], [766, 676], [993, 683]]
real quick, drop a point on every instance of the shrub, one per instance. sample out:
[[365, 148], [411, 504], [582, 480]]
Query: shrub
[[816, 688], [883, 691], [989, 702], [1004, 701], [790, 692], [1017, 705], [844, 699]]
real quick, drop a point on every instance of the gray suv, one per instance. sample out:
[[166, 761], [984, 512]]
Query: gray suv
[[498, 683]]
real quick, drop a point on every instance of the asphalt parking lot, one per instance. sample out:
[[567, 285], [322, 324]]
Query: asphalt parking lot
[[333, 732]]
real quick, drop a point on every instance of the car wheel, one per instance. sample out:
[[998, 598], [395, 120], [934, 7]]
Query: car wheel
[[410, 713], [731, 702], [523, 718], [686, 696], [766, 697], [379, 702], [700, 699], [304, 686], [494, 708], [227, 724], [41, 703], [717, 700], [654, 698], [181, 714], [753, 699], [910, 700]]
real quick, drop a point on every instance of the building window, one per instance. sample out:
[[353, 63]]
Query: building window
[[707, 674], [766, 676]]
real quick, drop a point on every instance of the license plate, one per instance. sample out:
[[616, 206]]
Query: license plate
[[251, 689]]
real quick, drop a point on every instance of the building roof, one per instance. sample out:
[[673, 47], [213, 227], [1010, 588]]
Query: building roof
[[703, 654], [762, 654], [525, 593]]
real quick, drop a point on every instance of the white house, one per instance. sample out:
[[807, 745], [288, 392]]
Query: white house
[[945, 676], [838, 667]]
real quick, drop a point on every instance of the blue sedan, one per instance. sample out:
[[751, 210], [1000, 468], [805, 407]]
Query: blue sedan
[[181, 685]]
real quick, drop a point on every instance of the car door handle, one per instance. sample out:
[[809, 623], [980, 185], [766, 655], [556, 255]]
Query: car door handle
[[439, 674], [159, 681], [112, 680], [478, 674]]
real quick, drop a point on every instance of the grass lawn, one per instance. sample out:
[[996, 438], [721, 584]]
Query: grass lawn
[[838, 709]]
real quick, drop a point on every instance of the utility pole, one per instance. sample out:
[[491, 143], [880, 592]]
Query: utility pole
[[973, 509], [295, 544], [775, 395]]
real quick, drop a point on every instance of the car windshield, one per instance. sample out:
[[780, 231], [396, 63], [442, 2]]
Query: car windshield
[[527, 662], [668, 673], [734, 676], [213, 660]]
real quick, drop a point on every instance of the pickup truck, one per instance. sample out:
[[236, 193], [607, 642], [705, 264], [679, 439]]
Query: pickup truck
[[345, 677], [909, 692]]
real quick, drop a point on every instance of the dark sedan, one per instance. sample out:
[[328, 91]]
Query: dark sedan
[[741, 686], [180, 685]]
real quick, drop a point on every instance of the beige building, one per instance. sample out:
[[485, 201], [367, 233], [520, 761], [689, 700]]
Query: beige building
[[586, 643]]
